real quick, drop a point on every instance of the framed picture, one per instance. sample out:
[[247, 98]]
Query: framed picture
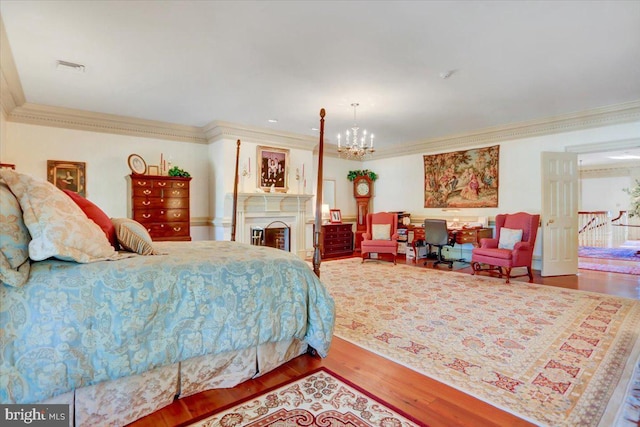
[[68, 175], [273, 172], [335, 216], [153, 170], [137, 164]]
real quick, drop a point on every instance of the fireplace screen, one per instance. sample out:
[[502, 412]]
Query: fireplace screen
[[275, 235]]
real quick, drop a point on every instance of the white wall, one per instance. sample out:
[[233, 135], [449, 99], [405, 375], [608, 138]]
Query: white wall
[[105, 155], [398, 188], [400, 184], [605, 194]]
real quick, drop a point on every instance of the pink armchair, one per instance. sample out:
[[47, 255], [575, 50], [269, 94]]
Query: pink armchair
[[507, 250], [381, 236]]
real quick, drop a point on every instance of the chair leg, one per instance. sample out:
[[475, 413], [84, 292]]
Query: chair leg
[[508, 270], [394, 259], [530, 274]]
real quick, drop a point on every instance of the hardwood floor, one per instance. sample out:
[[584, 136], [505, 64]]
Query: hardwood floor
[[425, 399]]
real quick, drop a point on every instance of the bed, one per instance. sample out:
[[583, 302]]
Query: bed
[[117, 335]]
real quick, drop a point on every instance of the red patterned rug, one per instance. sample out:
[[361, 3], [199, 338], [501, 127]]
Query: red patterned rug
[[552, 356], [321, 398]]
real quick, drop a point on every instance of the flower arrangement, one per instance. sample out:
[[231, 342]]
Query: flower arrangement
[[366, 172], [634, 206]]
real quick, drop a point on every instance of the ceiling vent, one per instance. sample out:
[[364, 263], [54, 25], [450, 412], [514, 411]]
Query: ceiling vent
[[69, 66]]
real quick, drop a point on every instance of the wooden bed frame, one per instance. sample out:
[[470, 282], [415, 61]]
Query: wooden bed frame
[[318, 216]]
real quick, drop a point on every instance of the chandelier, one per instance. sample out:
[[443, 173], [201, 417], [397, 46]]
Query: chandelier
[[355, 146]]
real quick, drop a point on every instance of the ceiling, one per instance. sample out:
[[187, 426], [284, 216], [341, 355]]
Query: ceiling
[[246, 62]]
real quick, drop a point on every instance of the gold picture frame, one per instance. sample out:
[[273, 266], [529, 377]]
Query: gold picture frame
[[273, 169], [68, 175], [153, 170]]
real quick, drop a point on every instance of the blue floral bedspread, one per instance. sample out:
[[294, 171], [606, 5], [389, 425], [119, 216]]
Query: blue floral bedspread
[[74, 325]]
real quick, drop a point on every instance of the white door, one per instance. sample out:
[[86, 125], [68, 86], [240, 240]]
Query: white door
[[559, 213]]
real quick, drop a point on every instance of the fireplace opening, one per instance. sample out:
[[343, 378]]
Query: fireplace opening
[[275, 235]]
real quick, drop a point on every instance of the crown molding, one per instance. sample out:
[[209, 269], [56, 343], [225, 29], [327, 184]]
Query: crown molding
[[218, 130], [604, 116], [11, 93], [109, 123]]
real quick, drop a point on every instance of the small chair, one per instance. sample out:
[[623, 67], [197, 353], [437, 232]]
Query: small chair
[[436, 234], [381, 236], [512, 247]]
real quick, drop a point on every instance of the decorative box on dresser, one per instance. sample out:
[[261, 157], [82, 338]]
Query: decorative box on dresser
[[161, 204], [336, 240]]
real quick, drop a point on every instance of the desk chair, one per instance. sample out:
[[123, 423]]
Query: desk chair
[[436, 234]]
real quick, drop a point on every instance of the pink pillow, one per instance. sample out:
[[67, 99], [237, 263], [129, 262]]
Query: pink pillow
[[97, 215]]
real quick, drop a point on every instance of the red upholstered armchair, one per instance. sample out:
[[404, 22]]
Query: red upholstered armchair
[[381, 236], [512, 246]]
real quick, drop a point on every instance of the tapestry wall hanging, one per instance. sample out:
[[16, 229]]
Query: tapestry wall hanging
[[462, 179]]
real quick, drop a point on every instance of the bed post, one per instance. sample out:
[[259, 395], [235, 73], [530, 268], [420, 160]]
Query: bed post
[[318, 223], [235, 195]]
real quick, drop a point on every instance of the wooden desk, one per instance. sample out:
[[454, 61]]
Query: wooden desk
[[463, 235]]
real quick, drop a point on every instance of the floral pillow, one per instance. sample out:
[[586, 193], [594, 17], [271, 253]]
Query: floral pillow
[[509, 238], [133, 237], [14, 240], [57, 225], [381, 231]]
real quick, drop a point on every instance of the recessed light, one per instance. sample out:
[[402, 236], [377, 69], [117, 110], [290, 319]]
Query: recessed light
[[273, 120]]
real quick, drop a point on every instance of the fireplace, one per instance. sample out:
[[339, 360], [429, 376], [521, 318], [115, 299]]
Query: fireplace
[[269, 212]]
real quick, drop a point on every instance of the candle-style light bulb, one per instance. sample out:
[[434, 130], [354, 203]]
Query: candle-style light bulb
[[371, 144], [338, 141]]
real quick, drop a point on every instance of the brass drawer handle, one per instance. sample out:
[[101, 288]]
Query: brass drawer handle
[[162, 184], [177, 215], [180, 184], [177, 228], [142, 182], [147, 192], [175, 192], [146, 216], [147, 203]]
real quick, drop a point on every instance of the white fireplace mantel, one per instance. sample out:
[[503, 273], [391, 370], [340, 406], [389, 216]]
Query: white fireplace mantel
[[254, 208]]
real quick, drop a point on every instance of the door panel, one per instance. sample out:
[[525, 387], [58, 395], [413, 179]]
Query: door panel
[[559, 213]]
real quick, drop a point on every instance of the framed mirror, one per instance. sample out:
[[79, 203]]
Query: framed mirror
[[329, 192]]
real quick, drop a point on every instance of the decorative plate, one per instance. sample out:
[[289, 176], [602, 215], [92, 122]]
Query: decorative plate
[[137, 164]]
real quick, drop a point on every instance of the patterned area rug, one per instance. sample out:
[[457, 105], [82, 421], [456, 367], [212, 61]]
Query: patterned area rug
[[632, 268], [321, 398], [552, 356], [609, 253]]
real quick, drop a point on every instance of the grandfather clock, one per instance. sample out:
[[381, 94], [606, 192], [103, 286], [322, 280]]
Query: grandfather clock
[[362, 191]]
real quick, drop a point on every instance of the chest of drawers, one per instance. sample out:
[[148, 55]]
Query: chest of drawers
[[336, 240], [161, 204]]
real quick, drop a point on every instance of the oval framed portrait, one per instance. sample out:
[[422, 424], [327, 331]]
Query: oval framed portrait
[[137, 164]]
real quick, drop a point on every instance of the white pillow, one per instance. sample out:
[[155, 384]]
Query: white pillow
[[58, 227], [509, 238], [381, 231]]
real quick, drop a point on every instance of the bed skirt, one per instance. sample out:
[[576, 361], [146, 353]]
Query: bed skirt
[[122, 401]]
